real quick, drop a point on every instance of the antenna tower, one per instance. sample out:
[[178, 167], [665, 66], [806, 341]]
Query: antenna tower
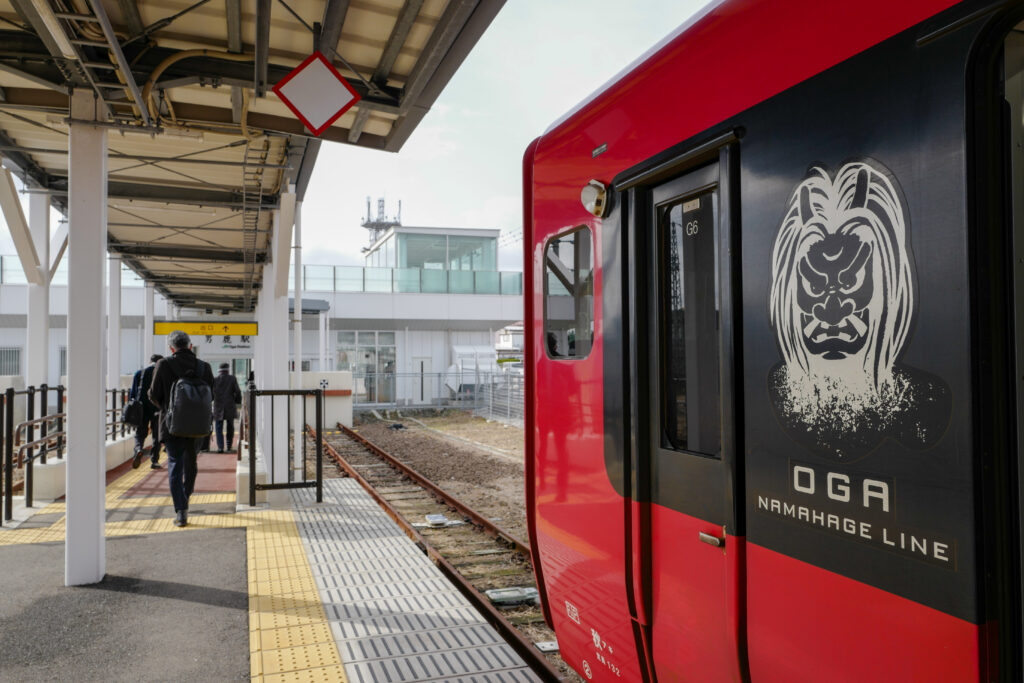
[[381, 223]]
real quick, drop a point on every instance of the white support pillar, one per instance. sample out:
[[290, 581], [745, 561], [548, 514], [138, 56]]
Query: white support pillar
[[37, 346], [113, 322], [273, 349], [322, 346], [297, 404], [259, 354], [147, 324], [85, 559], [278, 359]]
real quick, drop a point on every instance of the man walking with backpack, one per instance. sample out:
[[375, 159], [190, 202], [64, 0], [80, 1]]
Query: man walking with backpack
[[141, 383], [183, 391]]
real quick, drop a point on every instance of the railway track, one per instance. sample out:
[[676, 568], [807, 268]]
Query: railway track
[[475, 553]]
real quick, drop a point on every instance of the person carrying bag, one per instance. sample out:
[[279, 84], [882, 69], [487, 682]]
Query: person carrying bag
[[143, 414], [183, 391]]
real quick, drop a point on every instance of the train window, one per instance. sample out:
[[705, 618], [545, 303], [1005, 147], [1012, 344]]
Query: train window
[[569, 295], [688, 229]]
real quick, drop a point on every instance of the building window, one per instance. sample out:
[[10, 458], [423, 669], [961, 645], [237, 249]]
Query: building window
[[422, 251], [370, 356], [63, 361], [10, 360], [472, 253], [366, 352], [569, 295], [689, 291]]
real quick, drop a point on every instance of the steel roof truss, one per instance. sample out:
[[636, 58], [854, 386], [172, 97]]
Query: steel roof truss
[[130, 14], [262, 47], [219, 255], [199, 282], [22, 71], [403, 24], [184, 228], [28, 169]]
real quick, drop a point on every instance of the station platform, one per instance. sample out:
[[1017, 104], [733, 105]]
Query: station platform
[[333, 591]]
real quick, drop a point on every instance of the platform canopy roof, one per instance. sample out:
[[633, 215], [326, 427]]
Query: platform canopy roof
[[200, 149]]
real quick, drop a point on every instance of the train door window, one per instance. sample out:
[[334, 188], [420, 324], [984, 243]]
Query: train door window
[[688, 232], [569, 295]]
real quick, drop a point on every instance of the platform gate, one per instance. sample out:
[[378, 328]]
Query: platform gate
[[300, 435]]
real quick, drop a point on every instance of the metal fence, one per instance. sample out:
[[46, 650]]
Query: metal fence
[[42, 434], [503, 402], [21, 444], [494, 395], [296, 443]]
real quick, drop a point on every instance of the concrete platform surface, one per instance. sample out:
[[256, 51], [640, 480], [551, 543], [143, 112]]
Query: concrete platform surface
[[163, 612], [327, 592]]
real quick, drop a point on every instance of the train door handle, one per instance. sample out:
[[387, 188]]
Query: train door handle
[[711, 540]]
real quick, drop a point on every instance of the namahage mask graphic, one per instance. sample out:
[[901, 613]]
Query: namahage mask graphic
[[833, 296], [842, 305]]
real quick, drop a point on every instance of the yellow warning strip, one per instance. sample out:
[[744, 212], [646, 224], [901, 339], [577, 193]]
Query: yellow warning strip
[[289, 637], [155, 501]]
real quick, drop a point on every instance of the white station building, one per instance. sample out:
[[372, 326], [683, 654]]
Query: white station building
[[424, 297]]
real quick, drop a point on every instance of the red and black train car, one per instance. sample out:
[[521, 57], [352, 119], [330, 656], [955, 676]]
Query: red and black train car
[[775, 311]]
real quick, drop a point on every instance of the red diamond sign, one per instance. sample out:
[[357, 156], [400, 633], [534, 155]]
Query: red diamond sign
[[316, 92]]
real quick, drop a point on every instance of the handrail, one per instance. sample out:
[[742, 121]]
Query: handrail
[[29, 463], [55, 417], [23, 434], [33, 444], [18, 442], [113, 413]]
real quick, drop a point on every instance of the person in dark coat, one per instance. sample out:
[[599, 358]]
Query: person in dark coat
[[150, 418], [226, 395], [181, 451]]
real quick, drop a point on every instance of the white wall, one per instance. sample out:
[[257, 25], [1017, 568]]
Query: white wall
[[361, 311]]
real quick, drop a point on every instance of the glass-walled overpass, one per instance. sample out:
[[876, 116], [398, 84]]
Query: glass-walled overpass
[[410, 280], [318, 278]]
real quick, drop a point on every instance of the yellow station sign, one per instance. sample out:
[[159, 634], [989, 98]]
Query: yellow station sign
[[206, 329]]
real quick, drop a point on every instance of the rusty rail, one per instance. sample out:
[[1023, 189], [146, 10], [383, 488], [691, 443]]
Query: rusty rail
[[439, 493], [533, 657]]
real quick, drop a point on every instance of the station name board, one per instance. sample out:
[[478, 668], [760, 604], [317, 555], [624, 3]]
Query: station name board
[[196, 328]]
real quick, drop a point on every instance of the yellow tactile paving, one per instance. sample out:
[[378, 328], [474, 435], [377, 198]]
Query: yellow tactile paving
[[326, 674], [271, 639], [154, 501], [289, 639]]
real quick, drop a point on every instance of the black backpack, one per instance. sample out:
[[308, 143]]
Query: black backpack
[[190, 407]]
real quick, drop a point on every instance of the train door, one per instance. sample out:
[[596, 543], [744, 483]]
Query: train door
[[691, 552]]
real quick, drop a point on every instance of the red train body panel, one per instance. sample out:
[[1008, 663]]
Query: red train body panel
[[747, 456]]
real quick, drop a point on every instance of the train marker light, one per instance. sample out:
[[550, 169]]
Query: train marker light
[[594, 197]]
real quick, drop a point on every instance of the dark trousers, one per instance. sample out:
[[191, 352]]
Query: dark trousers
[[181, 469], [219, 424], [151, 423]]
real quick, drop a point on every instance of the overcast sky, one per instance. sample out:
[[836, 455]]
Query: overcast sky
[[462, 166]]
